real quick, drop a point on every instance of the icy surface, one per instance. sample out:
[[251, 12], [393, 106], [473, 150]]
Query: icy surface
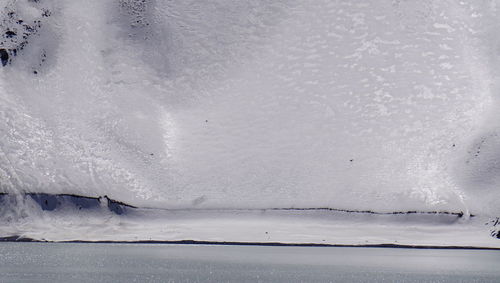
[[317, 227], [381, 105], [45, 262]]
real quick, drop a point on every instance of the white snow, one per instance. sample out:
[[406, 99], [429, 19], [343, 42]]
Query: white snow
[[255, 226], [219, 104]]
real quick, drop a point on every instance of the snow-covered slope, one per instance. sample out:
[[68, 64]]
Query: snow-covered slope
[[362, 105]]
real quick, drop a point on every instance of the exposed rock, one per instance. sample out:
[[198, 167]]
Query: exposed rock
[[4, 57], [50, 202], [16, 30]]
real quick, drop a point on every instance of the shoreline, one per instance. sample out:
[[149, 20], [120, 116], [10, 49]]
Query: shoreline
[[19, 239]]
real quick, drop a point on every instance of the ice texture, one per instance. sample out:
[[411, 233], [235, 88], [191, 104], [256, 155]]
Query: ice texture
[[380, 105], [47, 262]]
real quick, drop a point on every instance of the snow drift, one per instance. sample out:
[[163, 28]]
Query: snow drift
[[364, 105]]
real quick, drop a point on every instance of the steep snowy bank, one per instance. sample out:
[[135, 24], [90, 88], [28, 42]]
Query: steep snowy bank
[[384, 106]]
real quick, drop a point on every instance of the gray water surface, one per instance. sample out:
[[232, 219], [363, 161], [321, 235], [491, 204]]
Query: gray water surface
[[52, 262]]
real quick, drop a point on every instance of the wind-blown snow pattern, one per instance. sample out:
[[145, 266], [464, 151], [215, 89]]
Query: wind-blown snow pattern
[[359, 105]]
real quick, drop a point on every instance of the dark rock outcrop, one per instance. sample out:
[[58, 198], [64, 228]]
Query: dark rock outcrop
[[50, 202]]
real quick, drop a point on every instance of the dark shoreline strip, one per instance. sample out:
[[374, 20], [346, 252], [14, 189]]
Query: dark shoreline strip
[[262, 244]]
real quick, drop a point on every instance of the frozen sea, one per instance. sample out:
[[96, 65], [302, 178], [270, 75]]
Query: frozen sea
[[78, 262]]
